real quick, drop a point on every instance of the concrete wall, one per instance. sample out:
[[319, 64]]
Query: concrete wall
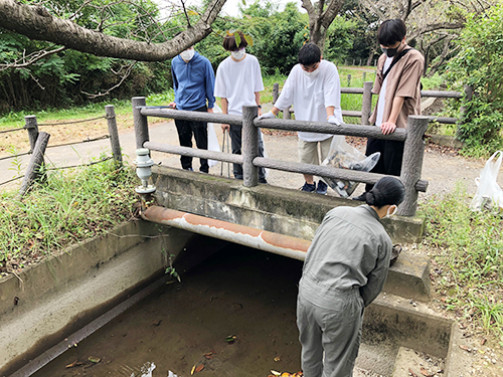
[[276, 209], [49, 300]]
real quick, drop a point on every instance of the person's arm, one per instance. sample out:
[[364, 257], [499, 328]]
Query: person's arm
[[175, 85], [377, 277], [406, 88], [224, 104], [257, 101], [389, 126], [210, 86]]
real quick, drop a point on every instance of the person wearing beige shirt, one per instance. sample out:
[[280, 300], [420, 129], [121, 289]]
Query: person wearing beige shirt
[[398, 81]]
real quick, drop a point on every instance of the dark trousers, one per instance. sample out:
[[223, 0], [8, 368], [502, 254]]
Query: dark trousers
[[187, 128], [236, 135], [390, 162]]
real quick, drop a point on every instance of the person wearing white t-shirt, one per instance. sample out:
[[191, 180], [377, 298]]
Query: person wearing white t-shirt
[[238, 83], [313, 88]]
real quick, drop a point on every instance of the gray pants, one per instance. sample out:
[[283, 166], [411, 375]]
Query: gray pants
[[335, 331]]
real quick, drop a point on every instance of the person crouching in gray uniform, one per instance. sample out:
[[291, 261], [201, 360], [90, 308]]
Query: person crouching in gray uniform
[[344, 271]]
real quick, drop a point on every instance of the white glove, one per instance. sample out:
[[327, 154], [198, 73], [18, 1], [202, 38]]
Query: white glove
[[268, 115], [333, 120]]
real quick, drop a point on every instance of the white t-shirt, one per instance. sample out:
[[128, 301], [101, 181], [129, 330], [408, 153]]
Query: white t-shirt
[[238, 82], [310, 96], [381, 103]]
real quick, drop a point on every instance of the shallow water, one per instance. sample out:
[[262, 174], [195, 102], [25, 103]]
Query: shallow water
[[239, 292]]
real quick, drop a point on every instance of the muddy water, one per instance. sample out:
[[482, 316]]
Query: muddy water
[[239, 292]]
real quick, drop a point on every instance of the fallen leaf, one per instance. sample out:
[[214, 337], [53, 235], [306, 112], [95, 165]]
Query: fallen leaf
[[276, 373], [412, 373], [93, 359], [76, 363], [426, 373], [465, 348], [199, 368], [277, 358], [483, 341], [192, 370], [208, 355]]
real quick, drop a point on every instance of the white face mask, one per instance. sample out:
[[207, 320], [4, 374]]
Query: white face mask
[[312, 74], [187, 55], [239, 54]]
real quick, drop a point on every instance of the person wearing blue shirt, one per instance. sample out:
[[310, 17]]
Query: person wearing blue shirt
[[193, 81]]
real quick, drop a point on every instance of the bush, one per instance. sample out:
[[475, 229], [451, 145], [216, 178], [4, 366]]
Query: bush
[[480, 64]]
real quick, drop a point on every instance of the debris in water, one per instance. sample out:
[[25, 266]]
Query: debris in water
[[277, 358], [93, 359], [76, 363], [231, 339]]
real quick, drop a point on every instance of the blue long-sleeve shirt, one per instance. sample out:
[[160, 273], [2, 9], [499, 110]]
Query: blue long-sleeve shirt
[[193, 82]]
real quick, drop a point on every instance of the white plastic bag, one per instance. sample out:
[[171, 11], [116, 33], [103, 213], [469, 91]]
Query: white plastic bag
[[212, 137], [489, 194], [343, 155]]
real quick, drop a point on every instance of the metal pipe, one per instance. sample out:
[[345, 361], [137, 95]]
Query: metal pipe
[[287, 246]]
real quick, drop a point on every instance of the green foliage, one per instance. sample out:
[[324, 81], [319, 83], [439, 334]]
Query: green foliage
[[340, 39], [63, 78], [470, 264], [480, 65], [71, 206]]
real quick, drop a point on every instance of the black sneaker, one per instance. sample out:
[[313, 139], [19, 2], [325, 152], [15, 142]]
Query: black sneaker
[[322, 188], [308, 187], [360, 198]]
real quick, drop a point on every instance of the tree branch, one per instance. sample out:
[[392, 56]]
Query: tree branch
[[124, 77], [32, 59], [37, 23]]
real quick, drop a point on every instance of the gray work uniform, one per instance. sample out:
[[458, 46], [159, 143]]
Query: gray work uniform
[[344, 271]]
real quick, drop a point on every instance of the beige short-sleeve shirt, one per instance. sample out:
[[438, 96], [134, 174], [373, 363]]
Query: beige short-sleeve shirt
[[402, 81]]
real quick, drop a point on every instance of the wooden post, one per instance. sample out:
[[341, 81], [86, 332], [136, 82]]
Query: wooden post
[[364, 76], [468, 89], [275, 92], [114, 134], [36, 162], [366, 102], [349, 80], [140, 122], [31, 126], [250, 146], [412, 163]]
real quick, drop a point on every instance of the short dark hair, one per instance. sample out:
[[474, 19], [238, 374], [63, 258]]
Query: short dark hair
[[230, 42], [391, 31], [309, 54], [387, 190]]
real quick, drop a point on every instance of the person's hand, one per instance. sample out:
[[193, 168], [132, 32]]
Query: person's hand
[[388, 128], [172, 105], [225, 127], [210, 110], [268, 115], [333, 120]]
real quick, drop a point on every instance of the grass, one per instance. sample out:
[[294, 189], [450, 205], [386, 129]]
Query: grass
[[71, 206], [92, 110], [469, 263]]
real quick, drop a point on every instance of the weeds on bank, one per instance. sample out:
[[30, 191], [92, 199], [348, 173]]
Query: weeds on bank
[[71, 206], [469, 263]]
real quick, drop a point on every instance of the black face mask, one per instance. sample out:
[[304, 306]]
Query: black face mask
[[390, 52]]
